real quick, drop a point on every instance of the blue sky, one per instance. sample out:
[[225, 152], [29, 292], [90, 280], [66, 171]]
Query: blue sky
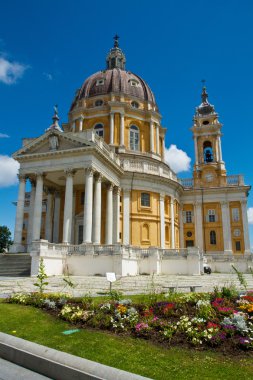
[[48, 48]]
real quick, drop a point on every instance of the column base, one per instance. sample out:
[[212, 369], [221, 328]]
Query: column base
[[121, 149], [17, 248], [228, 252]]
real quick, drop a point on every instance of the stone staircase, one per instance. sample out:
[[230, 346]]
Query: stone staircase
[[15, 265]]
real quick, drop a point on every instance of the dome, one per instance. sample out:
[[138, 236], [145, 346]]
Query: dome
[[115, 79]]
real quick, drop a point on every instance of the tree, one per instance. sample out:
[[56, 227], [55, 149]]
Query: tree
[[5, 238]]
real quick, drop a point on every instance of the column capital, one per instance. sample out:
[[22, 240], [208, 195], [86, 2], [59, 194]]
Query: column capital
[[39, 174], [162, 196], [49, 189], [181, 206], [98, 177], [243, 202], [69, 172], [90, 171], [116, 190], [110, 186], [224, 203], [22, 177], [198, 203], [81, 118]]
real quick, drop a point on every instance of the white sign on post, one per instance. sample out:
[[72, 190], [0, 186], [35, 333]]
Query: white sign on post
[[111, 277]]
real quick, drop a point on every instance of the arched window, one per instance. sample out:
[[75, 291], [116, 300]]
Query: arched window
[[213, 237], [134, 138], [135, 104], [145, 232], [99, 103], [99, 129], [208, 152]]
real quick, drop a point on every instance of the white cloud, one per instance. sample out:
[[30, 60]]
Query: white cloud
[[8, 171], [48, 76], [10, 72], [177, 159], [250, 215], [3, 136]]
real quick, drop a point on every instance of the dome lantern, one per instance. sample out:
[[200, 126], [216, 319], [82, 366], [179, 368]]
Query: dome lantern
[[116, 58]]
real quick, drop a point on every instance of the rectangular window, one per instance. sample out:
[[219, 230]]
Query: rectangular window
[[211, 216], [145, 199], [189, 243], [80, 234], [213, 237], [188, 217], [238, 246], [235, 215]]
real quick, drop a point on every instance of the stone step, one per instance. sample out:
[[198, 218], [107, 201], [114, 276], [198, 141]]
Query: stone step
[[15, 265]]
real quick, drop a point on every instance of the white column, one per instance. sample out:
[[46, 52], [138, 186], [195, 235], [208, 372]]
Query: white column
[[162, 221], [38, 207], [122, 129], [151, 133], [97, 211], [48, 232], [163, 148], [111, 128], [172, 222], [126, 217], [57, 203], [73, 218], [245, 227], [217, 150], [181, 226], [68, 207], [226, 227], [81, 123], [198, 218], [157, 140], [220, 151], [116, 204], [20, 213], [196, 150], [88, 205], [109, 214], [31, 212]]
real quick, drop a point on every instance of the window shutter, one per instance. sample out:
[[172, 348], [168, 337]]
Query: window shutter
[[184, 216], [207, 218]]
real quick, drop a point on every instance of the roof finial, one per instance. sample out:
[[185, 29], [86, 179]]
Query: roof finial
[[55, 118], [116, 41], [204, 94]]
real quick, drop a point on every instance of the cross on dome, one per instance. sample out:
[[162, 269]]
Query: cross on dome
[[116, 40]]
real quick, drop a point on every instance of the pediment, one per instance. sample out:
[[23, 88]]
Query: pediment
[[53, 141]]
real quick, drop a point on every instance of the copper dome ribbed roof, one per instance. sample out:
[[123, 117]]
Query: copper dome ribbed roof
[[116, 81]]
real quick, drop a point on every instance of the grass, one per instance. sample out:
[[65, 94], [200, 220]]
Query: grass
[[133, 355]]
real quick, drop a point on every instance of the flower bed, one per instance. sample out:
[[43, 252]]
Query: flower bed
[[200, 320]]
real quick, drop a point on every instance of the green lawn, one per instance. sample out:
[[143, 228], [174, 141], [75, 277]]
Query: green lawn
[[134, 355]]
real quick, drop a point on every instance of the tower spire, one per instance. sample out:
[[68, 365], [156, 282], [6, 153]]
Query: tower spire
[[205, 108], [115, 58]]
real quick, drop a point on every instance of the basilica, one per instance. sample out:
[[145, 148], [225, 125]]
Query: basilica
[[102, 197]]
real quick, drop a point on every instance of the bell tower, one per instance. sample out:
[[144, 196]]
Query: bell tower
[[209, 168]]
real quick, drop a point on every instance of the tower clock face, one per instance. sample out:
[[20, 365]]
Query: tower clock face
[[208, 177]]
